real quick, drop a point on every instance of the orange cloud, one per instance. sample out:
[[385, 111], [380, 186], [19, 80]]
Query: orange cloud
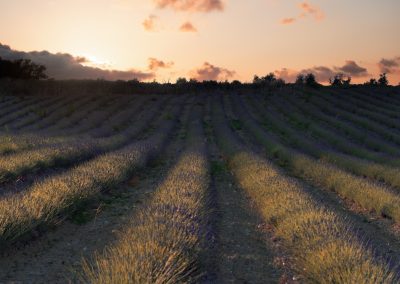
[[188, 27], [286, 74], [306, 10], [288, 21], [191, 5], [149, 24], [211, 72], [155, 64], [309, 9]]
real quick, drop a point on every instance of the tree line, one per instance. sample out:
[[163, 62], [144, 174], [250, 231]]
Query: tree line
[[21, 69], [25, 69]]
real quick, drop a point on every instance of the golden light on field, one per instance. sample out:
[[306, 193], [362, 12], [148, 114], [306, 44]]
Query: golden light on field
[[131, 153]]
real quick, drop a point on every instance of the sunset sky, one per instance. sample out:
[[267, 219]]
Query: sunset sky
[[204, 39]]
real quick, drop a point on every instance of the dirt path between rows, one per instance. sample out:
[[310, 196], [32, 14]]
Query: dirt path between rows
[[242, 250]]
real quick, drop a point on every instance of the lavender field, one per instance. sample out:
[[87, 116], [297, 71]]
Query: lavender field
[[288, 186]]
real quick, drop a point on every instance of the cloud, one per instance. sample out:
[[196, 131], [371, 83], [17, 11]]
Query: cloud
[[324, 73], [66, 66], [351, 68], [312, 10], [155, 64], [306, 10], [211, 72], [288, 21], [188, 28], [389, 66], [149, 23], [191, 5], [286, 74]]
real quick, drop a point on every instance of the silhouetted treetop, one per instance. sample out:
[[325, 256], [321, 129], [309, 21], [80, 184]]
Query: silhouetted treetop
[[21, 69], [339, 80], [383, 81], [269, 80], [310, 80], [300, 79]]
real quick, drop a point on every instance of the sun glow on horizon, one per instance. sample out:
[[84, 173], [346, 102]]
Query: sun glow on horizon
[[242, 37], [93, 61]]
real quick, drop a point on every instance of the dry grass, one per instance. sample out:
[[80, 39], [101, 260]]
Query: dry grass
[[322, 244], [17, 108], [369, 195], [322, 133], [371, 118], [333, 117], [298, 139], [384, 104], [163, 241], [31, 107], [44, 201], [12, 166]]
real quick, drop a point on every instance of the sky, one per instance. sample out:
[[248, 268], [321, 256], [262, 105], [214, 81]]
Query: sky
[[204, 39]]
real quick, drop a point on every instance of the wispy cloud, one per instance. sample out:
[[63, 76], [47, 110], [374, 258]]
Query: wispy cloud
[[289, 75], [211, 72], [288, 21], [150, 23], [188, 27], [306, 10], [191, 5], [66, 66], [309, 9], [155, 64]]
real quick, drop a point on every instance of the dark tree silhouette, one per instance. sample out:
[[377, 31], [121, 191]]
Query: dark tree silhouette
[[383, 81], [257, 80], [300, 80], [21, 69], [347, 82], [339, 80], [236, 83], [269, 80], [371, 82], [310, 80], [181, 81]]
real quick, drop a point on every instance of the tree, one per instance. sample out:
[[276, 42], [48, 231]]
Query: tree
[[134, 81], [339, 80], [270, 78], [310, 80], [300, 80], [181, 81], [236, 83], [383, 81], [256, 79], [347, 82], [21, 69], [371, 82]]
